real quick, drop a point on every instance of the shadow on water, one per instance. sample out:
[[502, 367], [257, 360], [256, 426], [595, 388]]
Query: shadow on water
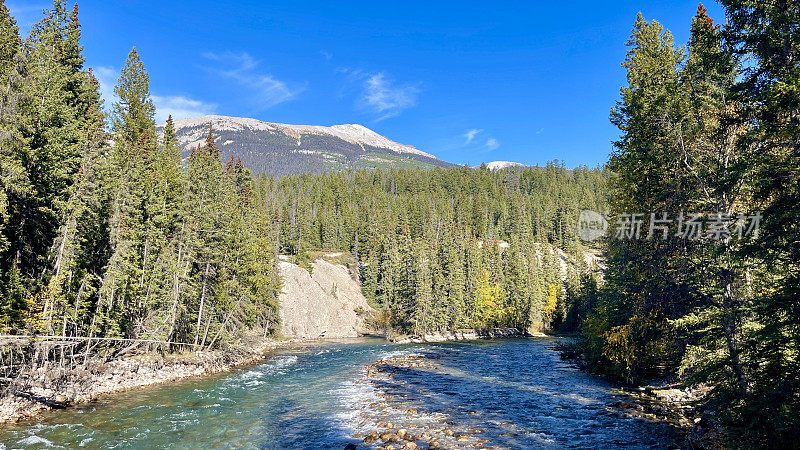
[[519, 395]]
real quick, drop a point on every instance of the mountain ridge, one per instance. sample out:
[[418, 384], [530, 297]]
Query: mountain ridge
[[282, 149]]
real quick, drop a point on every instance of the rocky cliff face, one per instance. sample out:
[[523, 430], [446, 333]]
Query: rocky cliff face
[[326, 303]]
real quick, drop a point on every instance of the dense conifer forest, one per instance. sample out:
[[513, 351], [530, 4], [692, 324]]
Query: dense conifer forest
[[448, 249], [113, 235]]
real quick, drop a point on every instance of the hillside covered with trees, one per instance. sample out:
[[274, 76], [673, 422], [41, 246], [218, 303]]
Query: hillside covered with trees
[[448, 249]]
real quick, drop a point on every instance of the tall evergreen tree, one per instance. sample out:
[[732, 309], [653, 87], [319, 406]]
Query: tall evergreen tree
[[133, 160], [134, 112], [10, 42], [767, 33], [46, 141]]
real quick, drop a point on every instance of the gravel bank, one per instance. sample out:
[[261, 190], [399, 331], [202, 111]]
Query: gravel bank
[[52, 387]]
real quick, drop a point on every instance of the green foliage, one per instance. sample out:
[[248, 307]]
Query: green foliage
[[50, 125], [134, 113], [121, 241], [10, 43], [704, 132], [426, 241]]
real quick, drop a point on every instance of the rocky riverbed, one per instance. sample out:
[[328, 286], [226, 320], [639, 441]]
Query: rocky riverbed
[[416, 428], [430, 400], [460, 335]]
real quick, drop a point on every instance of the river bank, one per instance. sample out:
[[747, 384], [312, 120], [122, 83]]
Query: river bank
[[47, 388], [461, 335], [681, 406], [665, 400]]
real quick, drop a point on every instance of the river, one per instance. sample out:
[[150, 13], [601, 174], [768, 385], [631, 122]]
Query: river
[[513, 393]]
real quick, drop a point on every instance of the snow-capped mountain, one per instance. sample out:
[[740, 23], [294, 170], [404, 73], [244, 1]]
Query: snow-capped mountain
[[285, 149], [500, 165]]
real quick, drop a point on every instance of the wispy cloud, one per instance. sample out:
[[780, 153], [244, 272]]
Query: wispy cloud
[[470, 135], [179, 106], [473, 143], [27, 14], [384, 97], [107, 77], [377, 92], [327, 55], [244, 69]]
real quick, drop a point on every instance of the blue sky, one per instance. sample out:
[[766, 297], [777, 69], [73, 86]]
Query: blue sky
[[466, 81]]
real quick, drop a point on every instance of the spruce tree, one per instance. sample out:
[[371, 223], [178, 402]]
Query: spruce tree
[[49, 138], [10, 42], [133, 203], [133, 115], [767, 33]]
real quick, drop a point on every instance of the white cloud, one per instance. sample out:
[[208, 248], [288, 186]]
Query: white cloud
[[26, 15], [470, 140], [385, 98], [178, 106], [107, 77], [268, 90], [470, 135]]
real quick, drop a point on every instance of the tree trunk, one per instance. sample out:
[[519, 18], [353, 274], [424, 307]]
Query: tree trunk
[[202, 302]]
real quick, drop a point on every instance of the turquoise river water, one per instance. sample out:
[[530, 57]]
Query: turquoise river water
[[516, 392]]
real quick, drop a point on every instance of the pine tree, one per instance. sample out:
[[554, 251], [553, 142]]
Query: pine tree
[[636, 336], [48, 138], [133, 113], [711, 161], [14, 181], [10, 43], [133, 203]]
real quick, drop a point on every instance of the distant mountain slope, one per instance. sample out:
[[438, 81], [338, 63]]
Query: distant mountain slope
[[289, 149], [500, 165]]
